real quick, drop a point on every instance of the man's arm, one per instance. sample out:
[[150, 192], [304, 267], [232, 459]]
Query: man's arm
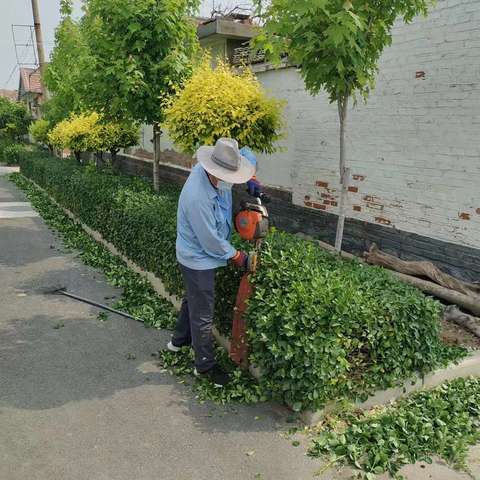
[[202, 221]]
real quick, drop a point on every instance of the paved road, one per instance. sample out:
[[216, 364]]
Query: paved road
[[74, 407]]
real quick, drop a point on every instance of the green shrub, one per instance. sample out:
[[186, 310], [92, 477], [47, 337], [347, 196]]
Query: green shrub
[[320, 328], [13, 152]]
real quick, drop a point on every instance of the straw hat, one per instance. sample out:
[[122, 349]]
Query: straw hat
[[225, 161]]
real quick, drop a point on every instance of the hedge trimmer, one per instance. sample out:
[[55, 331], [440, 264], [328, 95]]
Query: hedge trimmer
[[252, 225]]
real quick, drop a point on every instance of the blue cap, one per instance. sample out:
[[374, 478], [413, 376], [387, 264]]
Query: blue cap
[[249, 155]]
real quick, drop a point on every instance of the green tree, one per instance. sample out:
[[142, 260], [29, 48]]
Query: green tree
[[14, 120], [222, 102], [337, 45], [117, 135], [39, 130], [141, 50], [65, 73]]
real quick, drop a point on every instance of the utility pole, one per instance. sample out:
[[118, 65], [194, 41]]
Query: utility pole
[[40, 47]]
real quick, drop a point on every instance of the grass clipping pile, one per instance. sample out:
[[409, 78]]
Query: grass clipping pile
[[320, 328], [443, 421]]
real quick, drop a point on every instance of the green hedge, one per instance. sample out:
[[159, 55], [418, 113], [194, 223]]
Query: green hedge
[[320, 328]]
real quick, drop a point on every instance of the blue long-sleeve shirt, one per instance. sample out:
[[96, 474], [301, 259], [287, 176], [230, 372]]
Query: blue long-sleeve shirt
[[204, 223]]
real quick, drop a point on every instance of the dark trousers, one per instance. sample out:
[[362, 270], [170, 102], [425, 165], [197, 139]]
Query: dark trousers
[[195, 321]]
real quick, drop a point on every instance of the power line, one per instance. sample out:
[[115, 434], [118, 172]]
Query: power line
[[10, 76]]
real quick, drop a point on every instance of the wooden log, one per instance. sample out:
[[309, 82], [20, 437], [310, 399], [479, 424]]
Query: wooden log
[[453, 314], [421, 269]]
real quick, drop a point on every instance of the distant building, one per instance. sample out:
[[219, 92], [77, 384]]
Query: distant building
[[224, 35], [30, 90], [10, 94]]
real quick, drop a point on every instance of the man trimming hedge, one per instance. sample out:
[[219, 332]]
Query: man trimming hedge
[[204, 228]]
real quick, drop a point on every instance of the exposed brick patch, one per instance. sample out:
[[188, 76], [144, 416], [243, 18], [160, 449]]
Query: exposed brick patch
[[478, 211], [307, 198], [369, 198], [464, 216], [353, 189], [359, 178], [420, 75], [357, 208], [307, 204], [318, 206], [383, 221], [319, 183]]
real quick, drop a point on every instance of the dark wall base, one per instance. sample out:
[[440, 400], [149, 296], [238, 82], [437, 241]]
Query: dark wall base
[[460, 261]]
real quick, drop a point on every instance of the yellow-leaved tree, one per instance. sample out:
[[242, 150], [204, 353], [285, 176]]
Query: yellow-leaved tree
[[223, 102], [88, 132], [79, 133]]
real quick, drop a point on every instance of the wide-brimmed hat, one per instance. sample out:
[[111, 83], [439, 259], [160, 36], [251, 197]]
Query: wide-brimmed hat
[[225, 162]]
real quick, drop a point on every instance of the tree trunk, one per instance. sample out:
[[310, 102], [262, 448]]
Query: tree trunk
[[99, 160], [344, 172], [78, 157], [454, 314], [114, 158], [157, 133]]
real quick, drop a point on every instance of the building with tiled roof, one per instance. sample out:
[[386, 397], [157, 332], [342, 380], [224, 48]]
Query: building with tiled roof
[[10, 94], [30, 90]]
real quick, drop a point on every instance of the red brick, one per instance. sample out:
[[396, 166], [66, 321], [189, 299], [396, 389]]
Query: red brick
[[368, 198], [353, 189], [308, 204], [420, 74], [383, 221], [326, 195], [357, 208], [360, 178], [478, 211], [307, 198], [464, 216], [319, 207], [319, 183], [334, 204]]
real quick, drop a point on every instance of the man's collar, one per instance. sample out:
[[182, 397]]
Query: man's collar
[[211, 189]]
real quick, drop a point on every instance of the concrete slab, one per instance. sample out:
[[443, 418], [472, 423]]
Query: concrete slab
[[16, 210]]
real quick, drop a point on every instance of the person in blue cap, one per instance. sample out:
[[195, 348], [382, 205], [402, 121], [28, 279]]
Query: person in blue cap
[[204, 229]]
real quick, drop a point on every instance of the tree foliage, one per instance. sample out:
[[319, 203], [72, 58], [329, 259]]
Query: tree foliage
[[14, 119], [39, 130], [221, 102], [140, 50], [65, 75], [79, 133], [335, 43]]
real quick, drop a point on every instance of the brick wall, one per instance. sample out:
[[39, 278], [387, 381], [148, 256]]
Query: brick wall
[[414, 149]]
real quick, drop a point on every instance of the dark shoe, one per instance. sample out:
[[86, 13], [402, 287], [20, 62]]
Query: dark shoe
[[216, 375]]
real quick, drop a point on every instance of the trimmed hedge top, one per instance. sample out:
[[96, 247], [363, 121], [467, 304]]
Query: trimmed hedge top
[[320, 327]]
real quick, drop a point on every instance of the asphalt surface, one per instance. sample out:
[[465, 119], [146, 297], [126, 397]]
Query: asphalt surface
[[82, 399]]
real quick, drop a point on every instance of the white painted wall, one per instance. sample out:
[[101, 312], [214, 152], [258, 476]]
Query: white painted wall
[[414, 148]]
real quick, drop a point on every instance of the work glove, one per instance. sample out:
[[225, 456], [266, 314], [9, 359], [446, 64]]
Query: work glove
[[254, 187], [240, 260]]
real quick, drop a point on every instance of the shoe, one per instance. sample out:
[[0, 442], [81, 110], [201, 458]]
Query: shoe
[[216, 375], [172, 348]]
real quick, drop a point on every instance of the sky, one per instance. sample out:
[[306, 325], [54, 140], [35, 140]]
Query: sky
[[19, 12]]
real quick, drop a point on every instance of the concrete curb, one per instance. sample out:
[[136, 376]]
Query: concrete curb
[[470, 366]]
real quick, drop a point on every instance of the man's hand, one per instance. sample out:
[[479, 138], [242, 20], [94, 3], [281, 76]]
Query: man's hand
[[254, 187], [240, 260]]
